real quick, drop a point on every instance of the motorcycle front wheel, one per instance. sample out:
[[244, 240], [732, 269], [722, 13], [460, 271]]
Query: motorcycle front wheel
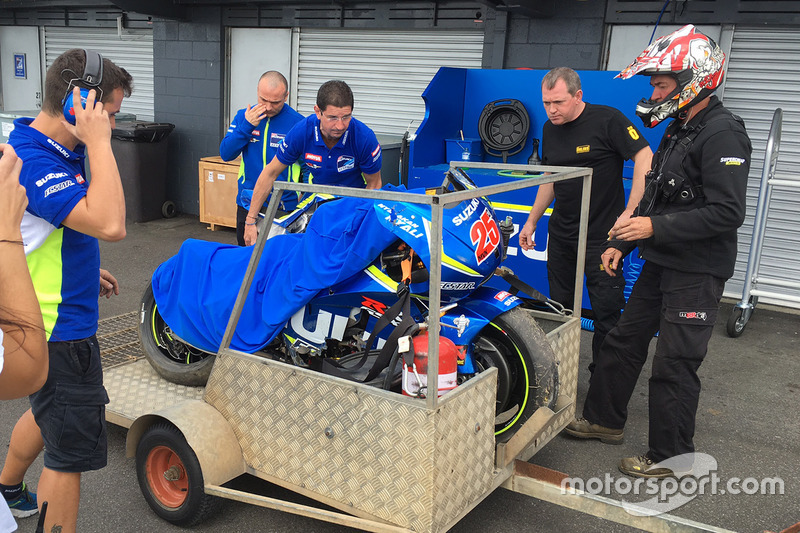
[[527, 379], [171, 358]]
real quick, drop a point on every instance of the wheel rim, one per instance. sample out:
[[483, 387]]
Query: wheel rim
[[740, 322], [169, 345], [496, 349], [166, 477]]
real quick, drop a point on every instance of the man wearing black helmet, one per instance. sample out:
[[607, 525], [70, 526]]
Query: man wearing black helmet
[[685, 227]]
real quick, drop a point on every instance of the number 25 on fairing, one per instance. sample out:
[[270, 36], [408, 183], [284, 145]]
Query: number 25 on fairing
[[485, 236]]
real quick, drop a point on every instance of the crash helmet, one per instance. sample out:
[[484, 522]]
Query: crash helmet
[[692, 58]]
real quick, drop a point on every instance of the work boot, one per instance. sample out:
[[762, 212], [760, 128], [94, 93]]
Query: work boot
[[643, 466], [583, 429]]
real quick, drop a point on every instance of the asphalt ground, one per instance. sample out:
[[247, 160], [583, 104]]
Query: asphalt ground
[[747, 421]]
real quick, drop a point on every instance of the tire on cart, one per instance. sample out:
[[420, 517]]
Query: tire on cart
[[170, 477], [171, 358], [527, 369]]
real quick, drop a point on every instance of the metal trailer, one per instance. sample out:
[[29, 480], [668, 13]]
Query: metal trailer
[[385, 462], [743, 310]]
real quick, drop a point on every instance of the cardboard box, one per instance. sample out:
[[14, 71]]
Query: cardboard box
[[218, 191]]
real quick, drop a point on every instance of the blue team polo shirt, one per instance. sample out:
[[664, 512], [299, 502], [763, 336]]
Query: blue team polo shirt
[[357, 151], [257, 145], [64, 264]]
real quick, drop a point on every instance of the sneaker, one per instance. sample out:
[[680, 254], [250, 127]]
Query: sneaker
[[24, 505], [583, 429], [643, 466]]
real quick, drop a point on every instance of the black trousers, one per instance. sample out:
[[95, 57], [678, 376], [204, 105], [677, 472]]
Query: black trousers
[[683, 307], [606, 293], [241, 216]]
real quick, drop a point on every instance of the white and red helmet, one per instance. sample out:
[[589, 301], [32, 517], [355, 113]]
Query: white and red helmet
[[692, 58]]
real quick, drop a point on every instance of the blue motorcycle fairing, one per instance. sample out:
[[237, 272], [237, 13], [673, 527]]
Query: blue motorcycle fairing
[[471, 237], [196, 289], [480, 308], [326, 317]]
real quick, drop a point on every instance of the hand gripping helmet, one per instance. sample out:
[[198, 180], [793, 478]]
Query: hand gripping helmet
[[692, 58]]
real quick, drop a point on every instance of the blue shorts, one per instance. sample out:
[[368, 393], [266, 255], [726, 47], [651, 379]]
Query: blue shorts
[[70, 408]]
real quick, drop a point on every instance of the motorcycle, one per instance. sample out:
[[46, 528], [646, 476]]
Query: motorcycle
[[339, 326]]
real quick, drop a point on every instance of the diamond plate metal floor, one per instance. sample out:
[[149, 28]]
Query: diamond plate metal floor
[[119, 340]]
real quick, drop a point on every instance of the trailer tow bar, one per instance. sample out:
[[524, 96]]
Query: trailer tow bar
[[546, 484]]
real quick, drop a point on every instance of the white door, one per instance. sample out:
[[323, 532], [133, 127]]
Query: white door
[[129, 49], [764, 74], [21, 68], [254, 51], [386, 69]]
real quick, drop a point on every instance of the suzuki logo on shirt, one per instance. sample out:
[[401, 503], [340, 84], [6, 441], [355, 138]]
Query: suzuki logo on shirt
[[345, 163], [313, 157], [58, 147], [51, 176]]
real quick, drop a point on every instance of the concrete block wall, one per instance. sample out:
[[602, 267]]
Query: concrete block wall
[[188, 75], [572, 38]]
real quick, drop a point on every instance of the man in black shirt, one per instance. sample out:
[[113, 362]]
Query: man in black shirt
[[579, 134], [685, 228]]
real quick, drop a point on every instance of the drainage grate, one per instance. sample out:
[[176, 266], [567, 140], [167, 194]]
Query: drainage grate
[[119, 339]]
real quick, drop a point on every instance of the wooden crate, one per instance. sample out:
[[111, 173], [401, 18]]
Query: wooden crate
[[218, 191]]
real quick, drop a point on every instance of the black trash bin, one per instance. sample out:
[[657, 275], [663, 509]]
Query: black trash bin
[[141, 151]]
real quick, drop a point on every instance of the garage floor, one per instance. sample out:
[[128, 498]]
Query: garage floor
[[747, 420]]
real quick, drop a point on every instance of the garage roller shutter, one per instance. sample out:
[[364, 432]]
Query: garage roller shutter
[[387, 70], [133, 51], [762, 76]]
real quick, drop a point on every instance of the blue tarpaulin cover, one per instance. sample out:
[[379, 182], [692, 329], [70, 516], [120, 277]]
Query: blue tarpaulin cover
[[196, 289]]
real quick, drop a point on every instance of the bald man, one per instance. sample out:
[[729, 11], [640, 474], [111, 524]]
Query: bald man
[[255, 134]]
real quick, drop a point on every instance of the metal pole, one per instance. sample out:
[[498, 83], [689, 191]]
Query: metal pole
[[762, 208], [434, 293], [582, 236]]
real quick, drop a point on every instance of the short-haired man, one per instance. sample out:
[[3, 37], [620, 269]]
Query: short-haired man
[[685, 227], [580, 134], [255, 134], [66, 216], [337, 148]]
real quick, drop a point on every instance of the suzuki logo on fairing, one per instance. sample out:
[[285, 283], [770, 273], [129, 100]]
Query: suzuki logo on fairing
[[466, 213], [374, 305], [322, 329], [376, 309]]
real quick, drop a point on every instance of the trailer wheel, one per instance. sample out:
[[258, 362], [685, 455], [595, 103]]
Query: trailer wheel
[[170, 477]]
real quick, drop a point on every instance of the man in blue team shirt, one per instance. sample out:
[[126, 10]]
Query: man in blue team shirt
[[255, 134], [338, 150], [66, 216]]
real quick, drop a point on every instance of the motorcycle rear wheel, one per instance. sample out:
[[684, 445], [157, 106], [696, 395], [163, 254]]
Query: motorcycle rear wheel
[[527, 369], [171, 358]]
